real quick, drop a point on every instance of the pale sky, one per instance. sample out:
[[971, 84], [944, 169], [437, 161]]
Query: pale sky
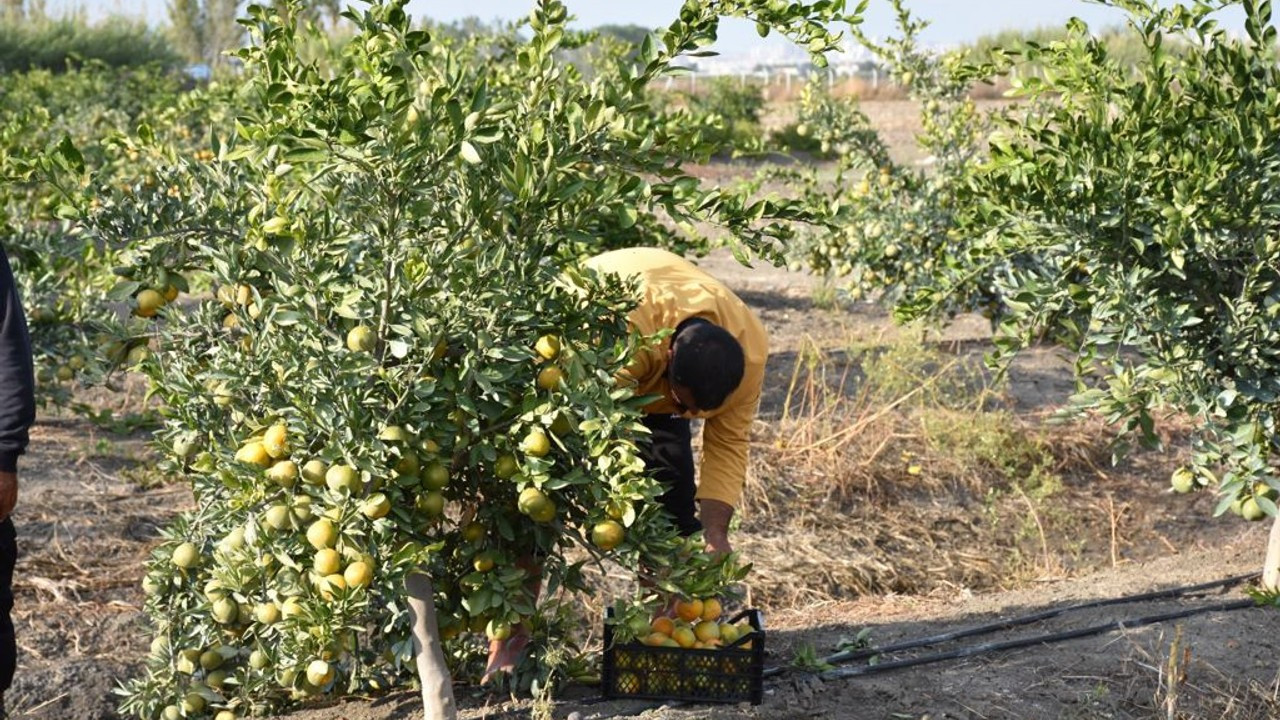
[[954, 21]]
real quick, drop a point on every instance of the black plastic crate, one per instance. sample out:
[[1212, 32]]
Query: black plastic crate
[[731, 674]]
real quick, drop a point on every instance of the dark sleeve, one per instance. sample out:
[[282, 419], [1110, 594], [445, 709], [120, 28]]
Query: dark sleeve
[[17, 383]]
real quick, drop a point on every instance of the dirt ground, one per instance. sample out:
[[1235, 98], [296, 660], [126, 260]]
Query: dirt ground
[[85, 525]]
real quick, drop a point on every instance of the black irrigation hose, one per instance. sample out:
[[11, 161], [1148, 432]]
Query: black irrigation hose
[[972, 650], [1037, 640], [864, 653]]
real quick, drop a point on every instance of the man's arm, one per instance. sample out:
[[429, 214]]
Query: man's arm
[[715, 517], [726, 439], [17, 387]]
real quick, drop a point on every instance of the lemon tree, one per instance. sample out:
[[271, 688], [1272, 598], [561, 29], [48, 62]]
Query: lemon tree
[[63, 153], [890, 227], [398, 373], [53, 125], [1131, 213]]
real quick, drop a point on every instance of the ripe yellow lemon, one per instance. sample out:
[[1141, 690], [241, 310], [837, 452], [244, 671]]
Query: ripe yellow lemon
[[291, 607], [550, 377], [322, 534], [342, 478], [1250, 510], [536, 443], [376, 506], [186, 556], [327, 561], [319, 673], [394, 433], [259, 660], [314, 470], [283, 473], [253, 453], [149, 303], [1183, 480], [278, 517], [214, 590], [358, 574], [532, 499], [361, 338], [607, 534], [548, 346], [331, 584], [707, 630], [226, 610], [302, 511], [233, 540], [498, 630], [483, 561], [711, 609], [267, 613], [276, 440]]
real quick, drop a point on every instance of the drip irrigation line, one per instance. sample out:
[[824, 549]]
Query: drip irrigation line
[[972, 650], [864, 653], [991, 647]]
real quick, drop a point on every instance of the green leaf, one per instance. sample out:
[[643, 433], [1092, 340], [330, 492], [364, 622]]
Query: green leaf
[[70, 155], [300, 155], [468, 153]]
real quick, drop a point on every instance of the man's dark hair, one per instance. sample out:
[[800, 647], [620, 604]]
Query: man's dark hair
[[706, 359]]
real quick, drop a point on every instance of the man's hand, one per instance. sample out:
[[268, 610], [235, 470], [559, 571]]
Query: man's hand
[[715, 517], [8, 493]]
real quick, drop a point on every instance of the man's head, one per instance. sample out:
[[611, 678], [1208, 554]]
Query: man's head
[[704, 366]]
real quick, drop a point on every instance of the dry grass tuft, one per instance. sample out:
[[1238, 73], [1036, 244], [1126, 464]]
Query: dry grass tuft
[[1186, 687], [900, 469]]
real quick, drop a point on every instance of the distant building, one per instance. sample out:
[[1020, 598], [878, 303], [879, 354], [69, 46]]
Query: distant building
[[781, 63]]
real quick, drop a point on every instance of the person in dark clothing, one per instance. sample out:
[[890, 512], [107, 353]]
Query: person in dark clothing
[[17, 412]]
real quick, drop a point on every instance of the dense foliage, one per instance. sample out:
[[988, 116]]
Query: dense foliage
[[401, 368], [61, 43], [891, 226], [1133, 218], [351, 276], [63, 277]]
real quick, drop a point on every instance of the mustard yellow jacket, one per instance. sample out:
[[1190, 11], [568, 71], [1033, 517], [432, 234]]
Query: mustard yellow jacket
[[673, 290]]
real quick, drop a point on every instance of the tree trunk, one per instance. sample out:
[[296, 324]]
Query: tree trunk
[[437, 683], [1271, 567]]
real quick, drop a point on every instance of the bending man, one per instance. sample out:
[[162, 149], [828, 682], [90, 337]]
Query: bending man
[[711, 367]]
